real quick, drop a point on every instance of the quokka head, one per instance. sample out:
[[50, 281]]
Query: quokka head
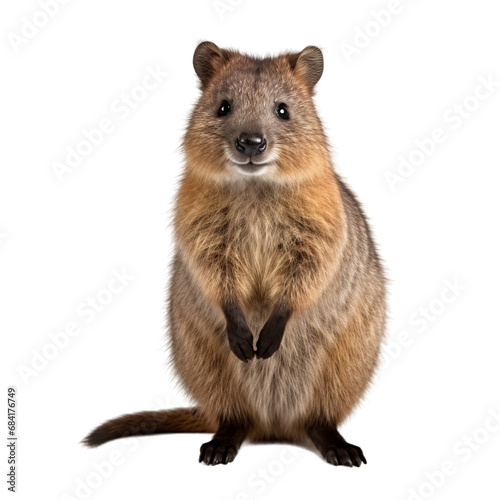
[[256, 116]]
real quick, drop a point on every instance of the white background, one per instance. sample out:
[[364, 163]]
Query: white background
[[61, 240]]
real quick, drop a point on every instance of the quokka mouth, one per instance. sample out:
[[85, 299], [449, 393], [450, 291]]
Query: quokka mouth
[[252, 168]]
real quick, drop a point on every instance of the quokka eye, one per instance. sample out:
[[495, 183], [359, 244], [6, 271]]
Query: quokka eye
[[224, 109], [282, 111]]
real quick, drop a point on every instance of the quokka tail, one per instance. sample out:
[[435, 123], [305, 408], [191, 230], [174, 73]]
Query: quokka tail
[[149, 422]]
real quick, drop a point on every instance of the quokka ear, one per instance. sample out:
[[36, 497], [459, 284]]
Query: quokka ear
[[308, 65], [208, 59]]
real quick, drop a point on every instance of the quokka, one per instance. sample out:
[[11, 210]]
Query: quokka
[[276, 307]]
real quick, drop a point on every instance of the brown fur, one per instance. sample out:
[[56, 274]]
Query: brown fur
[[295, 238], [150, 422]]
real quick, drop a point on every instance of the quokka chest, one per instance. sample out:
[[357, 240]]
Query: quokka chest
[[257, 252]]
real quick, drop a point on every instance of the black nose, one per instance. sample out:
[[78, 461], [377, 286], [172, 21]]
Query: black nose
[[251, 144]]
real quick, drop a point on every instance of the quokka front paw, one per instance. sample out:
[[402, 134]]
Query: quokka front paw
[[272, 333], [240, 342]]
